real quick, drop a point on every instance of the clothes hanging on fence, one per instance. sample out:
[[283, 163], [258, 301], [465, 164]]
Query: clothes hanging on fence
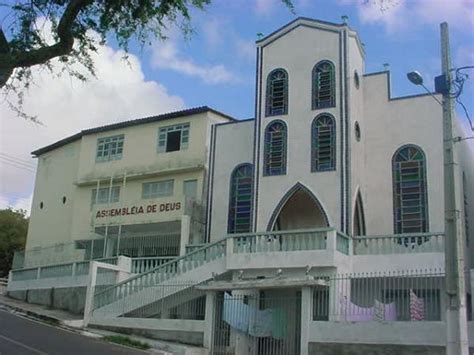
[[387, 312], [261, 324], [417, 307], [236, 313], [279, 323]]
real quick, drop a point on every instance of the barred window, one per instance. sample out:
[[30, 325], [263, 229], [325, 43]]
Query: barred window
[[410, 198], [323, 85], [275, 148], [173, 138], [105, 195], [277, 93], [110, 148], [240, 202], [323, 140], [157, 189]]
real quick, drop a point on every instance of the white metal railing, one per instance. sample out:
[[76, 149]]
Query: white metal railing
[[409, 295], [280, 241], [60, 270], [160, 274], [399, 244], [140, 265]]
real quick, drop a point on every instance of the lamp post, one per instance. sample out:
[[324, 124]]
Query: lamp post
[[456, 317]]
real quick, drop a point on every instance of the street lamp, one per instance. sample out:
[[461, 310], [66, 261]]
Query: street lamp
[[456, 317]]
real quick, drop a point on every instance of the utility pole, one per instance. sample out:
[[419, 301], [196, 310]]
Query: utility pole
[[456, 317]]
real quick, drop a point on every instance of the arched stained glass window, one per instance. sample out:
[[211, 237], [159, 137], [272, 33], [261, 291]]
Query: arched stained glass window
[[323, 143], [275, 149], [324, 85], [240, 202], [277, 93], [410, 199]]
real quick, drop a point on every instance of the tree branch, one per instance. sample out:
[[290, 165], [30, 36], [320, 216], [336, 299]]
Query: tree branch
[[11, 60]]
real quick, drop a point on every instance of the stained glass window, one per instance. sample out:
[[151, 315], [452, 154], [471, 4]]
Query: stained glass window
[[277, 93], [240, 204], [323, 150], [275, 149], [323, 85], [410, 198]]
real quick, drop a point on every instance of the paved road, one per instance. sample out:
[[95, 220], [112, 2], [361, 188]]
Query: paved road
[[22, 336]]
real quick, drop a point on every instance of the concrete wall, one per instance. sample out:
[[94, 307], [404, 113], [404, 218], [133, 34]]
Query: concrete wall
[[71, 299], [73, 172], [373, 349]]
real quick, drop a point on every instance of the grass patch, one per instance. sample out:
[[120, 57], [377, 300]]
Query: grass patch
[[120, 339]]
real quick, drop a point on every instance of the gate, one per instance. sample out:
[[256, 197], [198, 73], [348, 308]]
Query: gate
[[267, 323]]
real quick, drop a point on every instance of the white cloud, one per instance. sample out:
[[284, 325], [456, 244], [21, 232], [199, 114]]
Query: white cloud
[[212, 31], [65, 106], [399, 15], [166, 55], [265, 7], [245, 48]]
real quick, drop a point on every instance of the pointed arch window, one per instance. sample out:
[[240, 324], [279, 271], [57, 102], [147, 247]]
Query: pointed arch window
[[275, 148], [277, 93], [410, 198], [323, 141], [324, 85], [240, 202]]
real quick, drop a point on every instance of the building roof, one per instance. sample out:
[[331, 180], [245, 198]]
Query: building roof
[[124, 124]]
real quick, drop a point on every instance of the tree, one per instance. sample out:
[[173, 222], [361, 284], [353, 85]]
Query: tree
[[13, 230]]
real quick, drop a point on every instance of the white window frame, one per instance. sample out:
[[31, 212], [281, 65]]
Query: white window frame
[[103, 196], [109, 148], [157, 189], [163, 136], [184, 188]]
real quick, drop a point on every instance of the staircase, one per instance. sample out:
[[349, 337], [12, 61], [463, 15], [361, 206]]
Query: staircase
[[149, 287]]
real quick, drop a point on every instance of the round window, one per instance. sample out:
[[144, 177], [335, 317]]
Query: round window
[[356, 79], [64, 200], [357, 131], [41, 205]]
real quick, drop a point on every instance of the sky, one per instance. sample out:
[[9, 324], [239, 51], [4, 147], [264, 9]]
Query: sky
[[215, 66]]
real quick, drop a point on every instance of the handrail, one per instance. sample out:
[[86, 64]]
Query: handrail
[[283, 232], [162, 266], [405, 235]]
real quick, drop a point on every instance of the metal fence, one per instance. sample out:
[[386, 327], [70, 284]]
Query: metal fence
[[399, 244], [150, 245], [414, 295], [178, 300], [262, 324]]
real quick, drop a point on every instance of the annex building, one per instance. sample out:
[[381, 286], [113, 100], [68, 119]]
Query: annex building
[[315, 228]]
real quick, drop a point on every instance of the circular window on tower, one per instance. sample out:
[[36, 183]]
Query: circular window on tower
[[357, 131], [356, 79]]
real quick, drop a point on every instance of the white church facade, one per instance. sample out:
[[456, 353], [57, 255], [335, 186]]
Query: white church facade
[[316, 227]]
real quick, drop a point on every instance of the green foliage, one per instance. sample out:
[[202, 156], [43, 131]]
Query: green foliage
[[123, 340], [13, 230]]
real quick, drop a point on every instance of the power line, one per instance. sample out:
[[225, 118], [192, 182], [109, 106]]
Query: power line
[[8, 160], [31, 170], [23, 161]]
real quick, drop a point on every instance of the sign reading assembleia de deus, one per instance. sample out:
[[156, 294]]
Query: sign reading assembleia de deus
[[152, 208]]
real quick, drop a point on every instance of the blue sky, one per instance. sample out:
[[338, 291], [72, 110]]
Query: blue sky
[[216, 67]]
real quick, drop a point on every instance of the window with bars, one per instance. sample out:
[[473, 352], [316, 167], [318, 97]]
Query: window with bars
[[277, 93], [105, 195], [410, 198], [324, 93], [157, 189], [240, 202], [275, 149], [323, 150], [109, 148], [173, 138]]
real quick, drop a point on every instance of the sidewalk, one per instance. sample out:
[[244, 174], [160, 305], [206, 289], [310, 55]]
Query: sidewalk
[[74, 322]]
